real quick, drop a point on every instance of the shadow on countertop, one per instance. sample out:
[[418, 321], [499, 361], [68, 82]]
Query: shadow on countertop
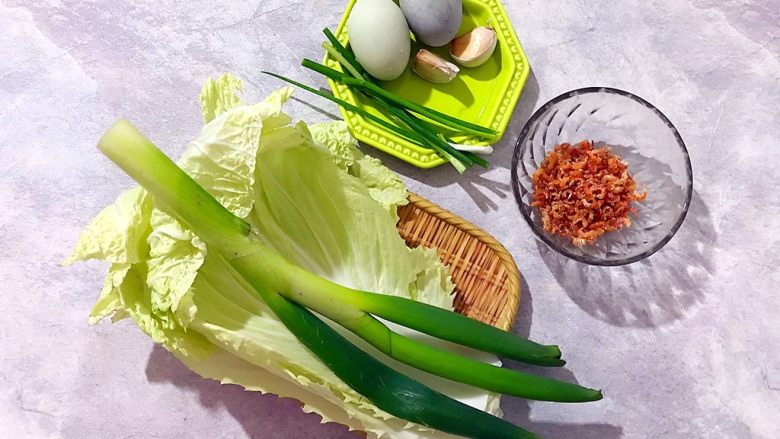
[[261, 416], [653, 292], [518, 410]]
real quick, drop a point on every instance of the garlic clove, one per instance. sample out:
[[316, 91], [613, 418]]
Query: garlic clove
[[474, 48], [434, 68]]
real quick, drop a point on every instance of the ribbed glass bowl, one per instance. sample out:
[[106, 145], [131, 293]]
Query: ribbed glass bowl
[[637, 132]]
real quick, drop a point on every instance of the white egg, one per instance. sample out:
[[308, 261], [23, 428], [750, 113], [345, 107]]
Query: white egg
[[379, 37]]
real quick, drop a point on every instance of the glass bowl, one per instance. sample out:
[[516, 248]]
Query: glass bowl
[[637, 132]]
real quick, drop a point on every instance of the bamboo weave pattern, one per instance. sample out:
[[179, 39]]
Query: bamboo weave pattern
[[487, 282]]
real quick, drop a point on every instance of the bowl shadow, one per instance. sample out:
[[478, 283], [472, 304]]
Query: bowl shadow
[[653, 292]]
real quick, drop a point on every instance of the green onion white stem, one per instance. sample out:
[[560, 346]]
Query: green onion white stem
[[342, 60], [476, 149]]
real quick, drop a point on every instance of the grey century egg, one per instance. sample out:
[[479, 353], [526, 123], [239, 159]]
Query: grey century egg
[[434, 22]]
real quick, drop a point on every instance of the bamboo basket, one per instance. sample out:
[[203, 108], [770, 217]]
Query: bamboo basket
[[487, 282]]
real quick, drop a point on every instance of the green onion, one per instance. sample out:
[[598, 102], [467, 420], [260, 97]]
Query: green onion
[[429, 136], [331, 302], [342, 60], [280, 283], [347, 54], [465, 370], [476, 149], [343, 306], [410, 135]]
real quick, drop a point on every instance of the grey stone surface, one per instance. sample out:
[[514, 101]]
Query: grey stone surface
[[684, 344]]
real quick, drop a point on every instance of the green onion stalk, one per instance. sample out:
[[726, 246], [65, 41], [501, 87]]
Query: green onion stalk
[[292, 293]]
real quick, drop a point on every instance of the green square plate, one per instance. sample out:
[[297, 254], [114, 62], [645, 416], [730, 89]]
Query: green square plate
[[485, 95]]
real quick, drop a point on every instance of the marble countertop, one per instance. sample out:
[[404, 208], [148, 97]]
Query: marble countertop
[[684, 344]]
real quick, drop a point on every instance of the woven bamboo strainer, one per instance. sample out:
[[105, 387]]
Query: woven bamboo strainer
[[487, 282]]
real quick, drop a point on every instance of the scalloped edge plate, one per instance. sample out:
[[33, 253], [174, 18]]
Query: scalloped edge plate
[[495, 112]]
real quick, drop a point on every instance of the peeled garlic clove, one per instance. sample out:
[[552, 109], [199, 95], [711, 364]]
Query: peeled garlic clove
[[474, 48], [434, 68]]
